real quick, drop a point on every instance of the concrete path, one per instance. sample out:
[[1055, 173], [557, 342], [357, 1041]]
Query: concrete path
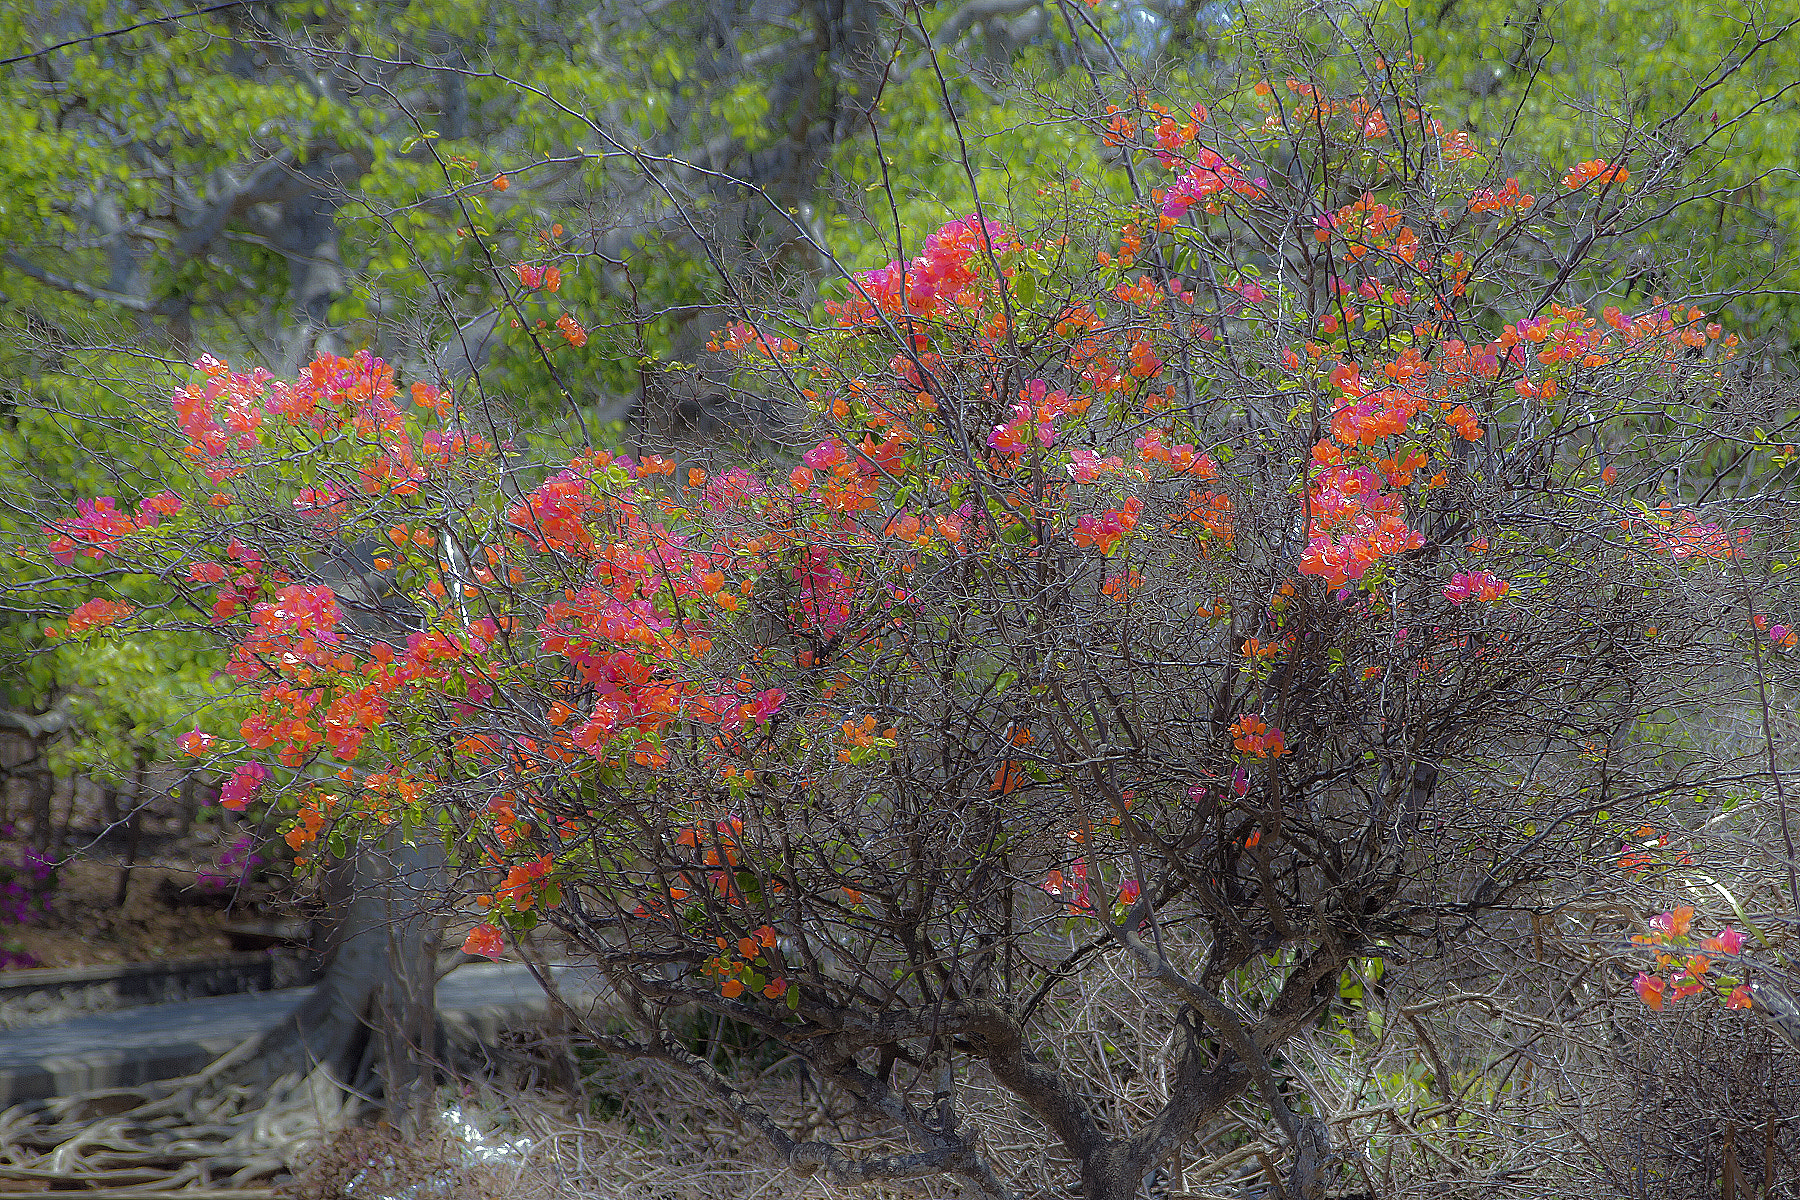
[[162, 1041]]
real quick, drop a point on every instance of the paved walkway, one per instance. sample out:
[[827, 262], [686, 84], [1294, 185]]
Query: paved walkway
[[160, 1041]]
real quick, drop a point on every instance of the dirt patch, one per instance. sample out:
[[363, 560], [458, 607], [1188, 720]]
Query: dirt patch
[[165, 915], [196, 868]]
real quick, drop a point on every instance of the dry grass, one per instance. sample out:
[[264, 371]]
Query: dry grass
[[1560, 1086], [633, 1133]]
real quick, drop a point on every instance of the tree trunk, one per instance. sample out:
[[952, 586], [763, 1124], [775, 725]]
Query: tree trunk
[[1105, 1176], [134, 827], [43, 801], [411, 1044], [371, 1020]]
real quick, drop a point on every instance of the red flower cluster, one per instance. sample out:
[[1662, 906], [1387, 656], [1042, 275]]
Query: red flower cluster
[[1687, 975], [1478, 585], [1254, 738], [1594, 171], [1104, 531], [1509, 197], [97, 531], [932, 284], [1206, 177], [96, 613]]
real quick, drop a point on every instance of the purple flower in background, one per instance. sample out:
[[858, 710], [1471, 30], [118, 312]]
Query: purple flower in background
[[25, 886], [237, 867]]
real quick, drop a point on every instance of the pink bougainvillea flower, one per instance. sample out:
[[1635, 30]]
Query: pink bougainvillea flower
[[244, 783], [1675, 922], [1085, 466], [1476, 585], [1728, 941], [766, 704], [1649, 989]]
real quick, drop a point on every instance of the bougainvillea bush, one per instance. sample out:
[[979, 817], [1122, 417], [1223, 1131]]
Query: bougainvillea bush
[[1240, 568]]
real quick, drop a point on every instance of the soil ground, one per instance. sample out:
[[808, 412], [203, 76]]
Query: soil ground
[[165, 915], [185, 853]]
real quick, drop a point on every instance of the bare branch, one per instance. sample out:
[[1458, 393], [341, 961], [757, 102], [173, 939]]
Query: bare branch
[[88, 291]]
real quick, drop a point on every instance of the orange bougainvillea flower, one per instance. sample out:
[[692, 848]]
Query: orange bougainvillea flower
[[97, 613], [1256, 739], [572, 330], [1011, 775], [484, 941], [1008, 778], [1464, 423], [1595, 170]]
